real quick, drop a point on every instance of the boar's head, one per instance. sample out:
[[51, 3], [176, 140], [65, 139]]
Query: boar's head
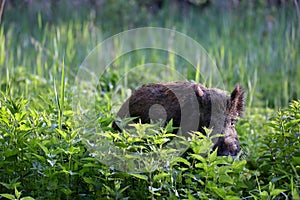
[[224, 114]]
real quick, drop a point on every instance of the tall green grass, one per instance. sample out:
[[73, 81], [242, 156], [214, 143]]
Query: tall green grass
[[43, 156], [257, 47]]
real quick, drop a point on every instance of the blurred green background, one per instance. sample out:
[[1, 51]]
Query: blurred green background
[[255, 43]]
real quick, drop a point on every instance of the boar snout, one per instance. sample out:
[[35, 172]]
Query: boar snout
[[228, 146]]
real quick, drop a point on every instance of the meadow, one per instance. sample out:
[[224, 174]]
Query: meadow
[[43, 154]]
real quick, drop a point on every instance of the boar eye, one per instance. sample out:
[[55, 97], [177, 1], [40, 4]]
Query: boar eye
[[232, 122]]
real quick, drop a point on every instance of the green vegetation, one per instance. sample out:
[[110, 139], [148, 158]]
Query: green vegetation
[[42, 155]]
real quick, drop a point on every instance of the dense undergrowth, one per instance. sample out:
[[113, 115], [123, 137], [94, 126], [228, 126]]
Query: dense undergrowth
[[41, 160], [43, 154]]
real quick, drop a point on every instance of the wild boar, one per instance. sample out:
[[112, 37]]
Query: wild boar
[[191, 106]]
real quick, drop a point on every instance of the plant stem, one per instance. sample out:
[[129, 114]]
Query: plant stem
[[62, 94]]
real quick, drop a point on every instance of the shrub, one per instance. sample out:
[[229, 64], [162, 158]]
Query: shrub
[[279, 159]]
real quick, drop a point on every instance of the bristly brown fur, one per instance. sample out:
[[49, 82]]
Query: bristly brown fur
[[191, 106]]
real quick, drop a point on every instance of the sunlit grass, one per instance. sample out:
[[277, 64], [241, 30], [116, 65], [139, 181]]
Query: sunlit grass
[[259, 48]]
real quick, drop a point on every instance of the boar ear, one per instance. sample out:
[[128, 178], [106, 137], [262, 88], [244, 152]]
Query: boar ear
[[198, 90], [237, 100]]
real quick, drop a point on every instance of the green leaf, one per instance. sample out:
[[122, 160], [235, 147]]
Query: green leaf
[[292, 123], [109, 189], [219, 191], [123, 189], [20, 116], [140, 176], [226, 179], [27, 198], [295, 193], [89, 180], [160, 176], [275, 192], [73, 150], [239, 165], [11, 152], [68, 113], [66, 191], [232, 198], [264, 195], [181, 160], [8, 196], [134, 139], [116, 136], [169, 127], [296, 160], [62, 133], [159, 141], [198, 157], [168, 135], [44, 148], [12, 185], [17, 193], [190, 197], [90, 165], [202, 166], [213, 156], [130, 156], [24, 127]]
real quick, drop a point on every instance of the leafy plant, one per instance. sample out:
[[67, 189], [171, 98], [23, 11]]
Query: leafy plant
[[17, 196], [280, 153]]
